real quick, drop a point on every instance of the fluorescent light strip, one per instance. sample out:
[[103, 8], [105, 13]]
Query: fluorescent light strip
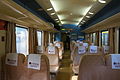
[[83, 21], [56, 19], [49, 9], [102, 1], [87, 16], [52, 14], [91, 13]]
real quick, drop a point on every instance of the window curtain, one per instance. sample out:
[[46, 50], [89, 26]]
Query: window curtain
[[111, 40], [97, 38], [33, 41], [46, 41], [10, 38], [51, 37]]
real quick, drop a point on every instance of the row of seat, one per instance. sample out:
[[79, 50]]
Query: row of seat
[[79, 49], [99, 67], [34, 66], [96, 66], [54, 53], [18, 67]]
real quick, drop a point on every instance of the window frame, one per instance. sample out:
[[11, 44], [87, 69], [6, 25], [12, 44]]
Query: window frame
[[41, 37], [27, 39], [101, 37]]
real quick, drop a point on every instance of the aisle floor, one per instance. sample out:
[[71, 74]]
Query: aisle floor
[[65, 71]]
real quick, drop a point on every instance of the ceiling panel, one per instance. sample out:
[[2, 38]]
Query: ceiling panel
[[72, 11]]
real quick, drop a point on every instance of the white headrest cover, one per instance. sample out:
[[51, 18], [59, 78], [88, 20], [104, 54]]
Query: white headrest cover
[[85, 44], [50, 44], [115, 61], [81, 50], [106, 49], [93, 49], [51, 50], [77, 41], [92, 44], [34, 61], [12, 59], [58, 45]]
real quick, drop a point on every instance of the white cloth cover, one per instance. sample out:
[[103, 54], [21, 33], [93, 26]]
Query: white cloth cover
[[51, 49], [106, 49], [93, 49], [12, 59], [81, 49], [85, 44], [34, 61], [58, 45], [115, 61]]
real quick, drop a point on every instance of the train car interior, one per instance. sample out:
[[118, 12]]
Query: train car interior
[[59, 39]]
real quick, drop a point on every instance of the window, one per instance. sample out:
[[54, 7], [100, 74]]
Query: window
[[49, 38], [22, 40], [104, 38], [94, 38], [39, 36]]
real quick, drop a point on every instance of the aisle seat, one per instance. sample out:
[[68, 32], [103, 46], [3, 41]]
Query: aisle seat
[[94, 50], [60, 48], [14, 66], [53, 55], [97, 67], [79, 51], [37, 67]]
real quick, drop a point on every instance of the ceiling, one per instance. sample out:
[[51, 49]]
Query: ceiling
[[75, 12], [71, 14]]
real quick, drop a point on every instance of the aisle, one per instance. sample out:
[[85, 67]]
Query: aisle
[[65, 71]]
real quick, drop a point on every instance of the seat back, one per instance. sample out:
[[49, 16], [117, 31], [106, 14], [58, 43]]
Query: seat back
[[91, 67], [105, 49], [97, 67], [79, 51], [14, 66], [53, 57], [94, 50], [37, 67], [60, 48]]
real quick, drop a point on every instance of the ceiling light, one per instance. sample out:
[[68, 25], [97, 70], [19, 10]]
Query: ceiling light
[[83, 21], [71, 14], [91, 13], [49, 9], [56, 19], [87, 16], [52, 13], [102, 1], [79, 25], [62, 29]]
